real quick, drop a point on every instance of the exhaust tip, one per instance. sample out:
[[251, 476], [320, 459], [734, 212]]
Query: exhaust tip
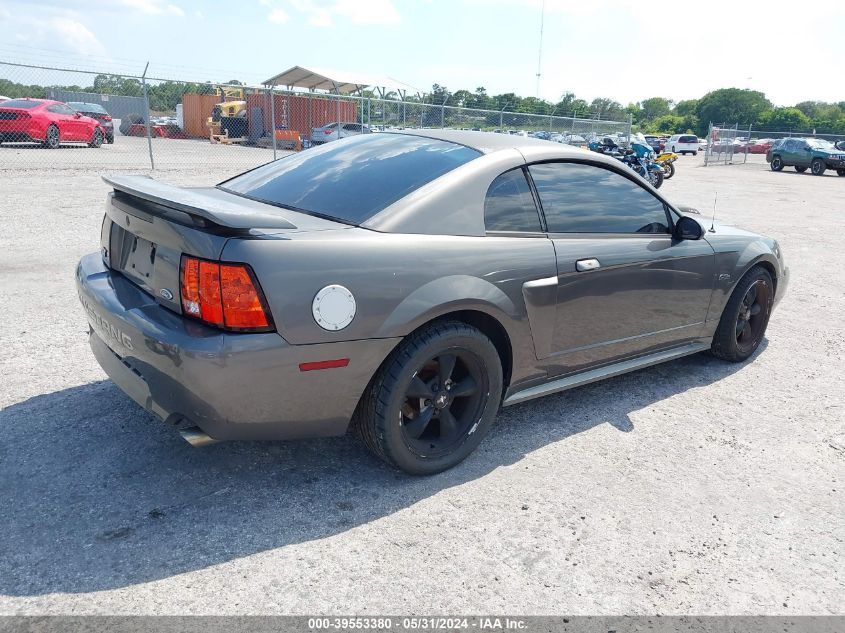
[[195, 436]]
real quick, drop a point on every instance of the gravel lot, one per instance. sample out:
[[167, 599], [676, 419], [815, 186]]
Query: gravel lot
[[694, 487]]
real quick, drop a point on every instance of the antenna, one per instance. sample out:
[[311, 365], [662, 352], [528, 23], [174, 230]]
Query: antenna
[[712, 228], [540, 52]]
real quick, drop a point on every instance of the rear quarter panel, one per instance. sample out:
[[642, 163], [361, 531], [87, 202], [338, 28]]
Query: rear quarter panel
[[399, 282]]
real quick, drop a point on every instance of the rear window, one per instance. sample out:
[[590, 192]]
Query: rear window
[[24, 104], [351, 180], [688, 139]]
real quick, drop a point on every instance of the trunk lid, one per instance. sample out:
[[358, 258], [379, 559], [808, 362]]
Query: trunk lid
[[149, 225]]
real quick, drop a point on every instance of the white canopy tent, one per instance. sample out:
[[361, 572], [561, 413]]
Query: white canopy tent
[[338, 82]]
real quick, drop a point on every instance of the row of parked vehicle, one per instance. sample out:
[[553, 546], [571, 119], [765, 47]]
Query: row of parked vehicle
[[51, 123]]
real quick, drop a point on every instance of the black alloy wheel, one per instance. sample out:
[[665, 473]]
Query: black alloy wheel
[[96, 138], [753, 316], [434, 398], [52, 138], [777, 163], [745, 317], [442, 401], [818, 167]]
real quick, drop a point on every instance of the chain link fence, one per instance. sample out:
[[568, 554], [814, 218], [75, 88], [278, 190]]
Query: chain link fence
[[734, 144], [166, 124]]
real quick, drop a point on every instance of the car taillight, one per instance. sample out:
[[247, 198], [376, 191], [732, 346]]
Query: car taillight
[[328, 132], [224, 295], [105, 117]]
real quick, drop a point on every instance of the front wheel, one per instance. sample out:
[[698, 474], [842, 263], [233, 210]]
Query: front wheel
[[52, 138], [818, 167], [96, 138], [776, 164], [655, 178], [800, 170], [745, 317], [433, 400], [669, 168]]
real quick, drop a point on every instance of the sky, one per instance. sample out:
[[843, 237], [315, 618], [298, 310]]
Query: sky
[[627, 50]]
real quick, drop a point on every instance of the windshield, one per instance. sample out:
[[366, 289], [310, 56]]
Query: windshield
[[353, 179]]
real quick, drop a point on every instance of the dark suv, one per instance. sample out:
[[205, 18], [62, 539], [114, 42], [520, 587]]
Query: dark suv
[[801, 153]]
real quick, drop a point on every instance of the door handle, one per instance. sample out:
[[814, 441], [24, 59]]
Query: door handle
[[583, 265]]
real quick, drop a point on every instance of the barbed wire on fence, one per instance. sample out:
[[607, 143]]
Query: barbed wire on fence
[[149, 113]]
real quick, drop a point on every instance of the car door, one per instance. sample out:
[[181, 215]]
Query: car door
[[803, 153], [625, 285], [71, 126], [790, 152]]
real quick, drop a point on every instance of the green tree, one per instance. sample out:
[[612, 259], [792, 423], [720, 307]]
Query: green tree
[[785, 119], [605, 108], [731, 105], [686, 107], [655, 107], [666, 124]]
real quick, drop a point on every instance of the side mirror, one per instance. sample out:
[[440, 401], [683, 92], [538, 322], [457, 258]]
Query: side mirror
[[687, 228]]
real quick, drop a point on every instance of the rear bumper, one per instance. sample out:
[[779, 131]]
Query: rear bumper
[[231, 385]]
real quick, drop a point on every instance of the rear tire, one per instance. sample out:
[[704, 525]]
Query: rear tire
[[840, 172], [818, 167], [800, 170], [52, 138], [745, 317], [669, 168], [410, 415], [776, 164]]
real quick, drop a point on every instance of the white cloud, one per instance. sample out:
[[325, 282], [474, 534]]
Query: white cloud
[[153, 7], [76, 36], [324, 13], [278, 16]]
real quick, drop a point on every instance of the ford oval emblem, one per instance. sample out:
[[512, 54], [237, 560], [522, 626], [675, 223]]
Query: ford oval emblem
[[164, 292]]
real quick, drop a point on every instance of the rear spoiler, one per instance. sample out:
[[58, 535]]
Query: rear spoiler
[[241, 214]]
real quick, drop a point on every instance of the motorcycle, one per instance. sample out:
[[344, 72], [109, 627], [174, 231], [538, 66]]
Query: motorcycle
[[640, 157], [666, 160]]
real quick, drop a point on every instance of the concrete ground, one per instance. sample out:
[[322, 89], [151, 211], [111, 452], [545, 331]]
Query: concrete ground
[[695, 487]]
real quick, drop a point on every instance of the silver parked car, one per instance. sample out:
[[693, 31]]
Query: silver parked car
[[335, 131], [411, 283]]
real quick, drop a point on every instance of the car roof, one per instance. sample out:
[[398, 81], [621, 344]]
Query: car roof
[[489, 142]]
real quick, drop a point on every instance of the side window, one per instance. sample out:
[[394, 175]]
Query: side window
[[58, 108], [580, 198], [509, 205]]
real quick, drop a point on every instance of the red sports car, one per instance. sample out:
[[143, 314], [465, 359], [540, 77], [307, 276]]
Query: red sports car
[[761, 147], [47, 122]]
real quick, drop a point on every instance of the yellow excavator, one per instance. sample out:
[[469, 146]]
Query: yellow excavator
[[232, 104], [229, 116]]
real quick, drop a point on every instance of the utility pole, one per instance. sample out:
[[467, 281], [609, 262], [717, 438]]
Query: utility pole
[[540, 52]]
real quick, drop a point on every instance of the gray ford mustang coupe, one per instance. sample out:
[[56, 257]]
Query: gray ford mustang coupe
[[408, 284]]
